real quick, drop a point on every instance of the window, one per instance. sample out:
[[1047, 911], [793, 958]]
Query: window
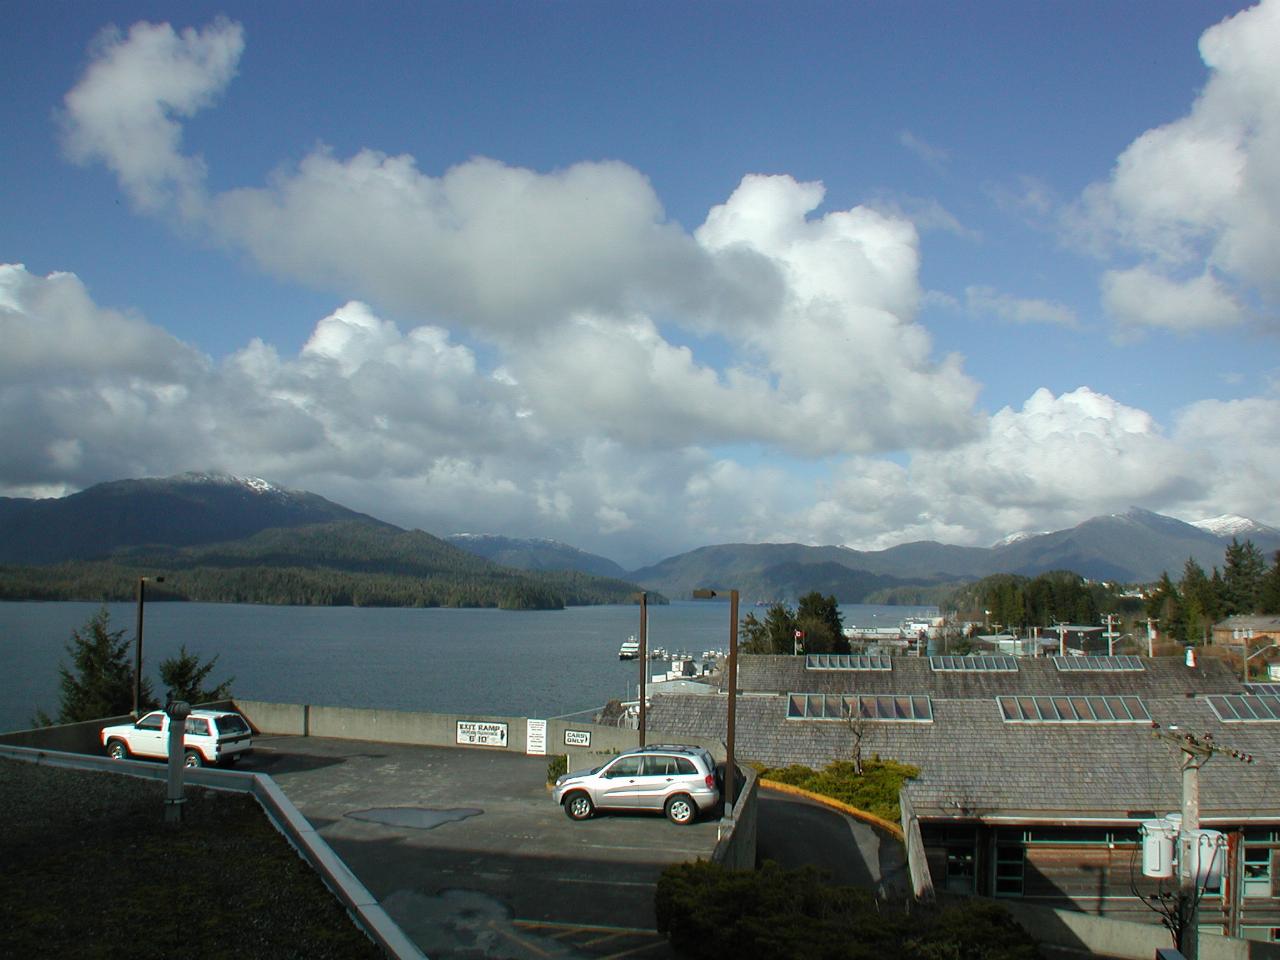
[[231, 723], [1098, 664], [1091, 709], [1010, 867], [659, 766], [846, 661], [625, 767], [831, 706], [1002, 664], [198, 726], [152, 721], [685, 767], [1234, 708], [960, 869], [1265, 934], [1257, 871]]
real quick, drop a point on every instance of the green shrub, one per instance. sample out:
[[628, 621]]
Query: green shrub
[[557, 765], [876, 791], [710, 913]]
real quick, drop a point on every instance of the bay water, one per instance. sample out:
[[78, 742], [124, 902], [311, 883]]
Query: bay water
[[489, 662]]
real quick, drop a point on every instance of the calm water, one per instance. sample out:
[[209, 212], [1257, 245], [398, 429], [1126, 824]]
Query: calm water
[[536, 664]]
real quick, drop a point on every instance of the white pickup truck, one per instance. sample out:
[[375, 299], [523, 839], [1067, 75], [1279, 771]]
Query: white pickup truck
[[211, 737]]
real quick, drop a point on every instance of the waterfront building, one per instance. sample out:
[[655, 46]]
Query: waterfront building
[[1036, 774]]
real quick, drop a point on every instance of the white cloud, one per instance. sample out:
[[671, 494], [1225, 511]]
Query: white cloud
[[1142, 297], [1242, 438], [1200, 196], [409, 427], [122, 110], [986, 301], [935, 157], [567, 273]]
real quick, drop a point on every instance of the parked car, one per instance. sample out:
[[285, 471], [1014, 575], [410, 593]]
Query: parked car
[[679, 781], [210, 737]]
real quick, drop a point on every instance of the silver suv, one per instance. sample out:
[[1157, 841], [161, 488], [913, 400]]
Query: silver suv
[[678, 780]]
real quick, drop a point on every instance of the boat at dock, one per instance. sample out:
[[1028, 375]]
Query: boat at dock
[[630, 649]]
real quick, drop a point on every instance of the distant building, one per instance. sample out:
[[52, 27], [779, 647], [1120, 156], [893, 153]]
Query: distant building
[[1035, 773], [1252, 629]]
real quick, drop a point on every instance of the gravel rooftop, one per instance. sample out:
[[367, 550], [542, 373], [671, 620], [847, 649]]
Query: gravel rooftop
[[89, 868]]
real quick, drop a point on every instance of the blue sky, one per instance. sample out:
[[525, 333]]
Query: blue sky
[[642, 277]]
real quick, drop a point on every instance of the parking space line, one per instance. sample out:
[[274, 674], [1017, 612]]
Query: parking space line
[[519, 941]]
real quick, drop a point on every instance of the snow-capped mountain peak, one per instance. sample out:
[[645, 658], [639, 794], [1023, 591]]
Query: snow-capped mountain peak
[[1231, 525]]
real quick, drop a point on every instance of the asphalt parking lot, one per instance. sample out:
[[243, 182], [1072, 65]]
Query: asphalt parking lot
[[466, 852]]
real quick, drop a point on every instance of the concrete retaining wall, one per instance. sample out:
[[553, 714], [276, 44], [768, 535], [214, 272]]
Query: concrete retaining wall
[[1102, 936], [441, 729], [66, 737], [736, 848]]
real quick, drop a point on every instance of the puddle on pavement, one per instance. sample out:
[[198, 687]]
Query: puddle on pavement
[[418, 818]]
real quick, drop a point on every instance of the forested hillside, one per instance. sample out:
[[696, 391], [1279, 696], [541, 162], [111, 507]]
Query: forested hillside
[[349, 563]]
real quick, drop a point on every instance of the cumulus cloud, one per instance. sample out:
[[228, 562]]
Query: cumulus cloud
[[1198, 200], [575, 274], [600, 415], [1143, 297], [409, 426], [123, 110]]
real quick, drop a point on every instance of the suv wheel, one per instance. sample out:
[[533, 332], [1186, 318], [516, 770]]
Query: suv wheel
[[193, 759], [680, 809], [578, 806], [116, 750]]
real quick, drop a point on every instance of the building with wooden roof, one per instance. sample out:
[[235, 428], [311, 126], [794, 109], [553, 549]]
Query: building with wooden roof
[[1035, 773]]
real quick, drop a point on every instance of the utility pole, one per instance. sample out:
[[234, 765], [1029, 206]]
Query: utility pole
[[644, 658], [1151, 637], [1196, 751], [1111, 634]]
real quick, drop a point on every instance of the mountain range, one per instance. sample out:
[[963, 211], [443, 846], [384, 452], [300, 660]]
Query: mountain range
[[218, 520]]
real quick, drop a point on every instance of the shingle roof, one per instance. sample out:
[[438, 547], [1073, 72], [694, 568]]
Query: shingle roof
[[975, 764]]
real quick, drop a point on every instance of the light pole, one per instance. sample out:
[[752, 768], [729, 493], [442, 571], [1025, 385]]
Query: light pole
[[730, 769], [137, 656], [1247, 656]]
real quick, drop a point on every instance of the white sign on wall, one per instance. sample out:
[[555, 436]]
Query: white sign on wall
[[577, 738], [535, 738], [482, 733]]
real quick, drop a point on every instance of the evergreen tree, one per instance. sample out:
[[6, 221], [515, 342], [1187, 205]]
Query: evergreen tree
[[1165, 605], [818, 617], [1242, 577], [184, 677], [102, 682], [1200, 601], [1269, 596]]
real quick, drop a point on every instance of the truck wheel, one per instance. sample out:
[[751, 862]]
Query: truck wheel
[[116, 750], [194, 759], [578, 806]]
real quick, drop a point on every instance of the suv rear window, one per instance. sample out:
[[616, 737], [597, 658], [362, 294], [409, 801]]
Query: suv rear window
[[232, 723]]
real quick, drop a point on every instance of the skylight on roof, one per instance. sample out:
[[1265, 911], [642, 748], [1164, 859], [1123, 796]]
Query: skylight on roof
[[1098, 664], [847, 661], [1069, 709], [1234, 708], [856, 706], [978, 663], [1273, 689]]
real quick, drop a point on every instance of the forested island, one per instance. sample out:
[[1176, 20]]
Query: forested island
[[334, 564]]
